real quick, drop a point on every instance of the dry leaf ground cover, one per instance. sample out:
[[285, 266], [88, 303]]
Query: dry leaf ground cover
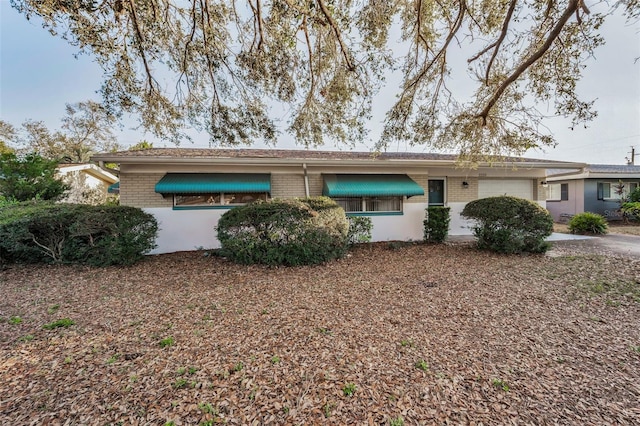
[[392, 334]]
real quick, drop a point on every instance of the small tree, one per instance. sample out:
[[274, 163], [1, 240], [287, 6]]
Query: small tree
[[29, 177]]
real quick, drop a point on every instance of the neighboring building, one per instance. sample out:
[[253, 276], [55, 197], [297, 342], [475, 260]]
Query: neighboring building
[[189, 189], [89, 183], [597, 188]]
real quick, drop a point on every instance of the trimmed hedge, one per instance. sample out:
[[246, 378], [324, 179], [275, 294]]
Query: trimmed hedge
[[588, 223], [290, 232], [508, 224], [436, 225], [73, 233]]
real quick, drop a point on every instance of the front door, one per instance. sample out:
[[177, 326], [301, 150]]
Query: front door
[[436, 192]]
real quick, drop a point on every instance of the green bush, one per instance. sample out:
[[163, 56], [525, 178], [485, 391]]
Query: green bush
[[509, 224], [631, 211], [30, 177], [588, 223], [436, 225], [43, 232], [284, 232], [360, 228], [4, 202], [634, 197]]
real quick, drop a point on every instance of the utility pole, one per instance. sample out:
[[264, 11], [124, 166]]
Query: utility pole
[[631, 160]]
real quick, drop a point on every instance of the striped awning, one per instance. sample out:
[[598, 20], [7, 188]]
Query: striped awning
[[206, 183], [370, 186]]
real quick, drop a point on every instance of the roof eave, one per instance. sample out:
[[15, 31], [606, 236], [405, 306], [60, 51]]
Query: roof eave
[[106, 158]]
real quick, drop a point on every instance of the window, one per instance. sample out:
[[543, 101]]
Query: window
[[615, 191], [558, 192], [370, 204], [217, 199]]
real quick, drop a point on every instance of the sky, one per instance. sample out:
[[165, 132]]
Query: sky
[[40, 73]]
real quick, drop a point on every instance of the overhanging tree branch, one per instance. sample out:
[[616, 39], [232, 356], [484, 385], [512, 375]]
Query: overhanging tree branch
[[553, 35]]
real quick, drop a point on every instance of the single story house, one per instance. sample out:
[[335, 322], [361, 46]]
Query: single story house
[[188, 190], [89, 183], [597, 188]]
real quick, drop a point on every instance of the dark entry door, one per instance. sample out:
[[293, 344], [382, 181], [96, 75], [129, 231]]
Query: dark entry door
[[436, 192]]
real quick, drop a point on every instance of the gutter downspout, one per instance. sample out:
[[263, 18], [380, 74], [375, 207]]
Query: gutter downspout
[[306, 180]]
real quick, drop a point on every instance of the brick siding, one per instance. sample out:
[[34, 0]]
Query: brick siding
[[138, 190], [287, 185], [456, 193]]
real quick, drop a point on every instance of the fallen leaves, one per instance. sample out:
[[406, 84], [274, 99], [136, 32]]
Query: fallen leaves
[[429, 334]]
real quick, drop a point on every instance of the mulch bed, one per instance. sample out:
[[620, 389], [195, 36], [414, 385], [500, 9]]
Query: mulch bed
[[426, 334]]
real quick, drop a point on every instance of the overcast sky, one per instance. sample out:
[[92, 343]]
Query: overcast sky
[[39, 75]]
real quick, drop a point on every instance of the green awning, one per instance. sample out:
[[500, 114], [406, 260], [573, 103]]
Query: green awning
[[114, 188], [206, 183], [370, 186]]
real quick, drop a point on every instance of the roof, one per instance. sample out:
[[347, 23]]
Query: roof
[[612, 171], [193, 155], [90, 169]]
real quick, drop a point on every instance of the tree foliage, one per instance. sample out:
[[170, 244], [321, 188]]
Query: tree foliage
[[220, 66], [86, 129], [7, 134], [29, 177]]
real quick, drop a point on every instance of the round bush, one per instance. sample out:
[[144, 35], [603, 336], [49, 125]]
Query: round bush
[[43, 232], [290, 232], [588, 223], [508, 224]]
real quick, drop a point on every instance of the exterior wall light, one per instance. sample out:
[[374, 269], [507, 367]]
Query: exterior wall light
[[465, 184], [544, 184]]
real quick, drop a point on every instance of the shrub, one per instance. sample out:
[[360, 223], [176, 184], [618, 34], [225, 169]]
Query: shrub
[[436, 225], [359, 229], [30, 177], [631, 211], [588, 223], [509, 224], [284, 232], [634, 196], [4, 202], [70, 233]]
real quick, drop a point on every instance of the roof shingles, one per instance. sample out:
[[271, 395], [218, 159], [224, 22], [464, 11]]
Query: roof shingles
[[171, 153]]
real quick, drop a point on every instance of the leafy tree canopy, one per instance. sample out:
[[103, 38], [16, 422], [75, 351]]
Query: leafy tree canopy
[[29, 177], [220, 66], [86, 130], [7, 133], [141, 146]]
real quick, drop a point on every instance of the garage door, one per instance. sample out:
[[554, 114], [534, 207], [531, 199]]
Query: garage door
[[522, 188]]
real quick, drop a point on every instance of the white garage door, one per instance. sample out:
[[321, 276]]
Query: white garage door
[[522, 188]]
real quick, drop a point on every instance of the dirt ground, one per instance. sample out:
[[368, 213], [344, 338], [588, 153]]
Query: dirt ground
[[391, 334]]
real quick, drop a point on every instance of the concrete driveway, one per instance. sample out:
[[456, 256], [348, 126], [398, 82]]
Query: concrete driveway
[[569, 244], [610, 244]]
